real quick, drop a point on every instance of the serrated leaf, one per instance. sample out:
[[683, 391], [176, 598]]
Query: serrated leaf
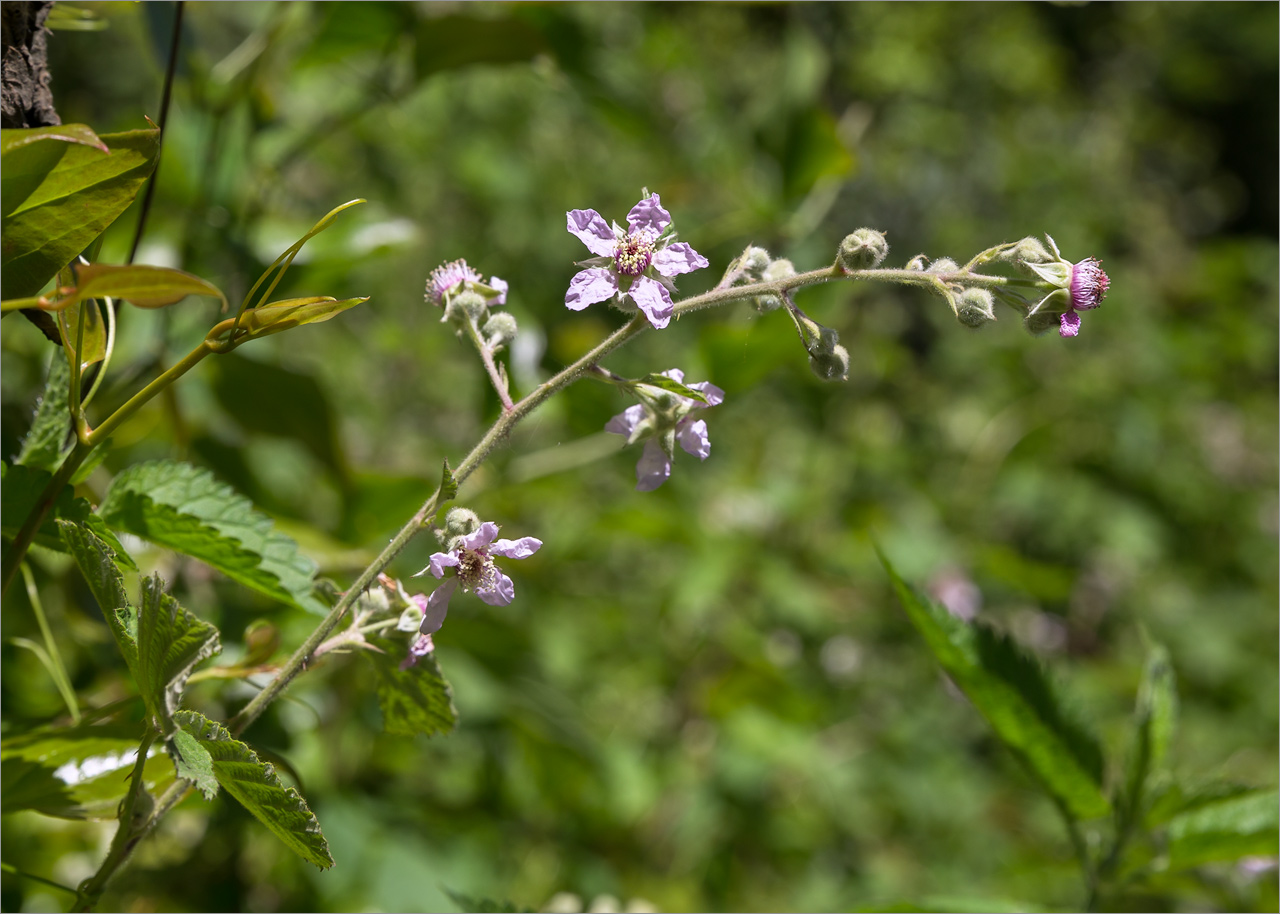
[[143, 286], [171, 641], [75, 772], [49, 439], [1009, 688], [448, 485], [22, 489], [294, 312], [413, 701], [672, 386], [59, 197], [1247, 824], [193, 763], [184, 508], [257, 786], [97, 563]]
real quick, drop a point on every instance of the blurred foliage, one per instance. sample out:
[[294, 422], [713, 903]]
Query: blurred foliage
[[704, 697]]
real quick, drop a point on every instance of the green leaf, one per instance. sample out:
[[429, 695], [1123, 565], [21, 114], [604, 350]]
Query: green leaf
[[413, 701], [22, 489], [294, 312], [49, 439], [448, 485], [193, 762], [1154, 719], [76, 772], [257, 786], [184, 508], [144, 286], [672, 386], [66, 133], [97, 563], [171, 641], [93, 342], [59, 197], [1010, 689], [1229, 828]]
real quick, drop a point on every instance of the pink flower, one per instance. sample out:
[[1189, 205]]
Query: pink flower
[[635, 263], [472, 556], [664, 419], [1083, 284], [451, 278]]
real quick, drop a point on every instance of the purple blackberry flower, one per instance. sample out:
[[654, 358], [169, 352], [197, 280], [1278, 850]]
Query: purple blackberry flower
[[451, 278], [1083, 284], [665, 419], [472, 556], [421, 646], [635, 263]]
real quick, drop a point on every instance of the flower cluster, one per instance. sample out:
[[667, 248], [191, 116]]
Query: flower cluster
[[664, 418], [635, 263], [447, 280]]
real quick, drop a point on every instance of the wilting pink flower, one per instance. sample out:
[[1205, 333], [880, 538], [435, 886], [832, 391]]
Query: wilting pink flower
[[1083, 284], [665, 427], [472, 558], [637, 262], [452, 277]]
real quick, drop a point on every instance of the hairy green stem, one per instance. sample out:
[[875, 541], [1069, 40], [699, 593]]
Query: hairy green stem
[[128, 833]]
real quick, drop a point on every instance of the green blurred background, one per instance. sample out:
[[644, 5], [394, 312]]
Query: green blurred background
[[703, 697]]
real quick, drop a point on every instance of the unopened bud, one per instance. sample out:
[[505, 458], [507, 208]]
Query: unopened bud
[[831, 366], [500, 328], [918, 262], [465, 304], [976, 307], [943, 265], [755, 260], [1028, 250], [779, 269], [865, 249], [461, 522]]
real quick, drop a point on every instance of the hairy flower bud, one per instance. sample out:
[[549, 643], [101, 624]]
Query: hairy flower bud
[[463, 305], [499, 329], [461, 522], [1028, 250], [865, 249], [778, 269], [918, 262], [755, 260], [943, 265], [976, 307], [831, 366]]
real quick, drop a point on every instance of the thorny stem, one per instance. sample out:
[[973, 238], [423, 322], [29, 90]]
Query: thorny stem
[[486, 356]]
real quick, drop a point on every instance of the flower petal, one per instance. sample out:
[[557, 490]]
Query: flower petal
[[626, 421], [501, 593], [693, 438], [649, 214], [1070, 325], [674, 374], [589, 227], [421, 646], [516, 549], [653, 469], [653, 300], [678, 258], [714, 395], [439, 562], [437, 607], [482, 537], [590, 286], [501, 286]]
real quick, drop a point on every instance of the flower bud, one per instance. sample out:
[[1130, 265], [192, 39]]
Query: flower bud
[[831, 366], [1028, 250], [755, 260], [461, 522], [779, 269], [499, 329], [465, 304], [943, 265], [918, 262], [865, 249], [976, 307]]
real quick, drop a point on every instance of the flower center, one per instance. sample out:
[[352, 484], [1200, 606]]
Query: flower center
[[634, 253], [475, 568]]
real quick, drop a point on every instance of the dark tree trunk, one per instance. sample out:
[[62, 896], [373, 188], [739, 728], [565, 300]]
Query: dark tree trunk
[[26, 100]]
